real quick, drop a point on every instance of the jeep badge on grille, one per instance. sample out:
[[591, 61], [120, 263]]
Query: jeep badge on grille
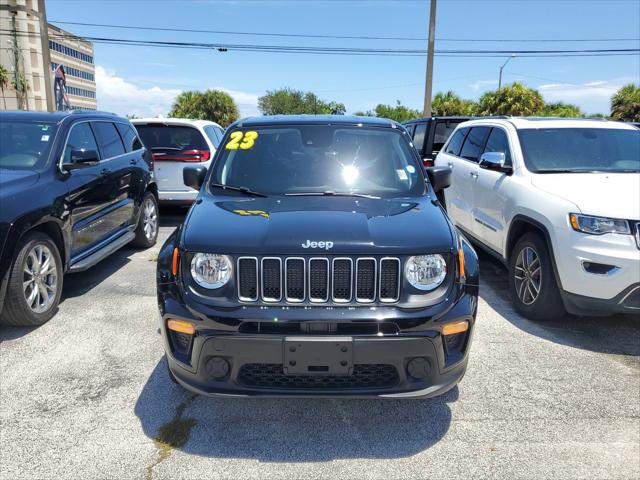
[[310, 244]]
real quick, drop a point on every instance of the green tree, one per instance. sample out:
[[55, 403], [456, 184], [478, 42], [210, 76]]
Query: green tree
[[287, 101], [514, 99], [447, 104], [560, 109], [4, 83], [397, 112], [213, 105], [625, 104]]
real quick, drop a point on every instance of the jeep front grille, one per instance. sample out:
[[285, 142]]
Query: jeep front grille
[[337, 280]]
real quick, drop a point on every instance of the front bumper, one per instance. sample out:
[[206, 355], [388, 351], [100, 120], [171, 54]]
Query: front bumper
[[597, 271], [181, 196], [379, 363]]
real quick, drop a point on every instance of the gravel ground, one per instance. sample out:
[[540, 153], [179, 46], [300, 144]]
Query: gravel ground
[[85, 395]]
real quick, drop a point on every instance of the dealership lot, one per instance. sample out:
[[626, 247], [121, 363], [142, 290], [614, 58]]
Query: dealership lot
[[85, 395]]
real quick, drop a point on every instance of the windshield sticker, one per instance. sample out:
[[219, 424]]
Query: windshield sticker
[[242, 140], [411, 169], [402, 175], [44, 138]]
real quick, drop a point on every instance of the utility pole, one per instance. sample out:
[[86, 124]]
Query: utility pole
[[46, 56], [431, 46], [500, 76]]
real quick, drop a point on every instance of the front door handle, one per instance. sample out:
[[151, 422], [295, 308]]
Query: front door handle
[[450, 164], [105, 171], [133, 161], [473, 174]]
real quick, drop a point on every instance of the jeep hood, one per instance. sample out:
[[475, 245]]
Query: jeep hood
[[615, 195], [281, 225]]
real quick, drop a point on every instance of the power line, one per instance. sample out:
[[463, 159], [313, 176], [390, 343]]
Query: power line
[[343, 37], [339, 50], [356, 51]]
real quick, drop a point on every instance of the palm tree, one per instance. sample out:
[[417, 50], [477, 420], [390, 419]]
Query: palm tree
[[4, 83], [625, 104]]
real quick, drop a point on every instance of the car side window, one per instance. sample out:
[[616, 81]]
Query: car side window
[[129, 137], [80, 138], [220, 132], [453, 148], [108, 139], [474, 143], [410, 129], [211, 132], [498, 142], [418, 136]]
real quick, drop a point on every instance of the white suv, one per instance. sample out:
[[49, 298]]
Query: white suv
[[558, 201], [175, 143]]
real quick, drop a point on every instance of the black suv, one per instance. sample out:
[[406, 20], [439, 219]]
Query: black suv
[[74, 187], [316, 260], [430, 134]]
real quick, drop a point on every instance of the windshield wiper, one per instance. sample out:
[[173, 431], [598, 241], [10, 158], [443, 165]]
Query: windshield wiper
[[245, 190], [330, 193]]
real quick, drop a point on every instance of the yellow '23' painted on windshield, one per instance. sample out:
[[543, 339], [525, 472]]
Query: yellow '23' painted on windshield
[[242, 140]]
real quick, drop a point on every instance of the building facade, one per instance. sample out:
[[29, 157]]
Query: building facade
[[31, 52]]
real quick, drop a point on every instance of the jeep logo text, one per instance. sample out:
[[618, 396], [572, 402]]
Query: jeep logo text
[[310, 244]]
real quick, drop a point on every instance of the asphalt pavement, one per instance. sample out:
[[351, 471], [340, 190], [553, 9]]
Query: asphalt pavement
[[87, 396]]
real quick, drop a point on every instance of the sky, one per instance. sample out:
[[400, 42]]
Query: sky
[[145, 80]]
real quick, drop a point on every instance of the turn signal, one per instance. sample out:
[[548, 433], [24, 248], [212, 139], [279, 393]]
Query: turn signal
[[461, 262], [181, 326], [174, 261], [456, 327]]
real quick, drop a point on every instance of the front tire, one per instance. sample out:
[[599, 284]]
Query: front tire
[[35, 283], [532, 282], [147, 229]]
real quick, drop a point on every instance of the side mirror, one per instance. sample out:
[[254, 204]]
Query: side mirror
[[439, 177], [81, 159], [494, 161], [194, 176]]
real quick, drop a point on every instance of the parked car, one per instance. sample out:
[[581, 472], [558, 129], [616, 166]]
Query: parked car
[[74, 188], [176, 142], [558, 202], [430, 134], [317, 262]]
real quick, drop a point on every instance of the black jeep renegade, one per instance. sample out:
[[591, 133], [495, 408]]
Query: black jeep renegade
[[317, 261]]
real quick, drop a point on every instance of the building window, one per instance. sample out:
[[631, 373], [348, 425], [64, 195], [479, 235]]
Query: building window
[[70, 52]]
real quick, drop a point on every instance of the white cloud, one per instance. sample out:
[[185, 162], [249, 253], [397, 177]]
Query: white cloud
[[591, 97], [247, 102], [483, 83], [117, 95]]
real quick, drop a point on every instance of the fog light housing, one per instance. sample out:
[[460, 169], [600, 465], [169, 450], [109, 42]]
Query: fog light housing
[[217, 367], [419, 368], [454, 340], [181, 335]]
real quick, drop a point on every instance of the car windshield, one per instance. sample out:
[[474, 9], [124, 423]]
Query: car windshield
[[319, 159], [25, 145], [549, 150]]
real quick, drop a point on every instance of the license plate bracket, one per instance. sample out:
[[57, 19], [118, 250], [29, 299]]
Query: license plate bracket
[[318, 355]]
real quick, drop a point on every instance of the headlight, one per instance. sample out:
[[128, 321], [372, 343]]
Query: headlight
[[210, 270], [426, 272], [598, 225]]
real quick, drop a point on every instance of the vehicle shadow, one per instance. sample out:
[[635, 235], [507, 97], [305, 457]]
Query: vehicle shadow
[[617, 334], [172, 216], [77, 284], [293, 430]]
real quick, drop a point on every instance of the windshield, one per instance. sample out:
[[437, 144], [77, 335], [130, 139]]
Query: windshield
[[317, 159], [580, 149], [25, 145]]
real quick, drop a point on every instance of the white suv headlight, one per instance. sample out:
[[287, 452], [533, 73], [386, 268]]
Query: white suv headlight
[[598, 225], [426, 272], [210, 270]]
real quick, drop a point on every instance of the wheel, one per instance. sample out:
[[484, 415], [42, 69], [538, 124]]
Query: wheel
[[147, 229], [35, 282], [532, 282]]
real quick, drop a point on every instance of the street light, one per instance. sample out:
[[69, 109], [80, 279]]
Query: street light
[[503, 65]]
